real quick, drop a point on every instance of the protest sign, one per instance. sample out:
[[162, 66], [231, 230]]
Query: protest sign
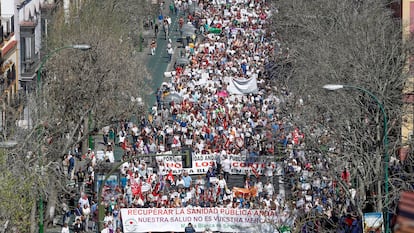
[[175, 219], [202, 162]]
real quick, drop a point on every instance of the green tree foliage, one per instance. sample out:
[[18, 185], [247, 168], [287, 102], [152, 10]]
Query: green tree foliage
[[17, 192]]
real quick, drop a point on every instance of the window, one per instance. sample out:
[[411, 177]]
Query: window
[[7, 26]]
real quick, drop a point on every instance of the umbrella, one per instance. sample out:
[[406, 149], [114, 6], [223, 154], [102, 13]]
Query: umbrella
[[223, 93], [173, 97], [188, 27], [182, 61], [188, 34], [188, 30]]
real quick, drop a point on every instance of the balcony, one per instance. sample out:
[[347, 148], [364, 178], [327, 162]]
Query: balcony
[[6, 28], [29, 69], [28, 26]]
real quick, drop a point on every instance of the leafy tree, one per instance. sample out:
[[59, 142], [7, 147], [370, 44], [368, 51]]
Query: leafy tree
[[16, 195], [344, 42]]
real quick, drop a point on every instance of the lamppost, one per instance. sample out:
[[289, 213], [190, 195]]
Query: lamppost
[[82, 47], [334, 87]]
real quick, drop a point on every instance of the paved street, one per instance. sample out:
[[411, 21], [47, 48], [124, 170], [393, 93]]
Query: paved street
[[158, 63]]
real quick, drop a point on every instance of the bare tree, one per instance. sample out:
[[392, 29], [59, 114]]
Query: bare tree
[[344, 42], [78, 93]]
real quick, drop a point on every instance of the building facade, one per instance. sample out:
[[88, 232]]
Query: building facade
[[22, 30], [407, 136]]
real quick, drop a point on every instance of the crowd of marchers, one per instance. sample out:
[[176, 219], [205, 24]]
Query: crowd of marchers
[[233, 43]]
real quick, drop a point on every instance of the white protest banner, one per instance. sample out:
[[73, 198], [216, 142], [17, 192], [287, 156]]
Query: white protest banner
[[243, 86], [171, 162], [202, 162], [176, 219], [240, 165]]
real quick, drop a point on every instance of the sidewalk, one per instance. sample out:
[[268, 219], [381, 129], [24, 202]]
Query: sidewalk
[[156, 65]]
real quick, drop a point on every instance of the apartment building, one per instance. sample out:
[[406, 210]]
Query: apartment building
[[407, 15], [22, 29]]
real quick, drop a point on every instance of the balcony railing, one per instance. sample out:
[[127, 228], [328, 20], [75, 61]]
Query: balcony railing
[[29, 67]]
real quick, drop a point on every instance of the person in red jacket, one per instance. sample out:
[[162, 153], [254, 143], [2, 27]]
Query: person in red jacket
[[346, 176]]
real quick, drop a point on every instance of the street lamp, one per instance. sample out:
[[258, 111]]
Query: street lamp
[[82, 47], [334, 87], [8, 144]]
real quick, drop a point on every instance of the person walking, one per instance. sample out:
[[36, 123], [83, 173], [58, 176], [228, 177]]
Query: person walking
[[71, 167], [105, 228], [170, 52], [80, 179], [65, 228], [226, 166], [189, 228], [86, 212], [166, 29], [156, 30], [172, 8], [153, 47], [78, 226]]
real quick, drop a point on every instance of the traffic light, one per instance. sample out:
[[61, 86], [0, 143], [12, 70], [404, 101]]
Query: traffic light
[[186, 155]]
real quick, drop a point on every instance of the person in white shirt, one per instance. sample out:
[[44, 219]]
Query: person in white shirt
[[86, 211], [226, 166], [180, 181], [65, 228], [108, 219], [269, 189], [128, 193], [222, 185], [259, 186], [170, 52], [200, 182], [105, 229], [135, 132], [121, 136], [83, 200], [269, 170]]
